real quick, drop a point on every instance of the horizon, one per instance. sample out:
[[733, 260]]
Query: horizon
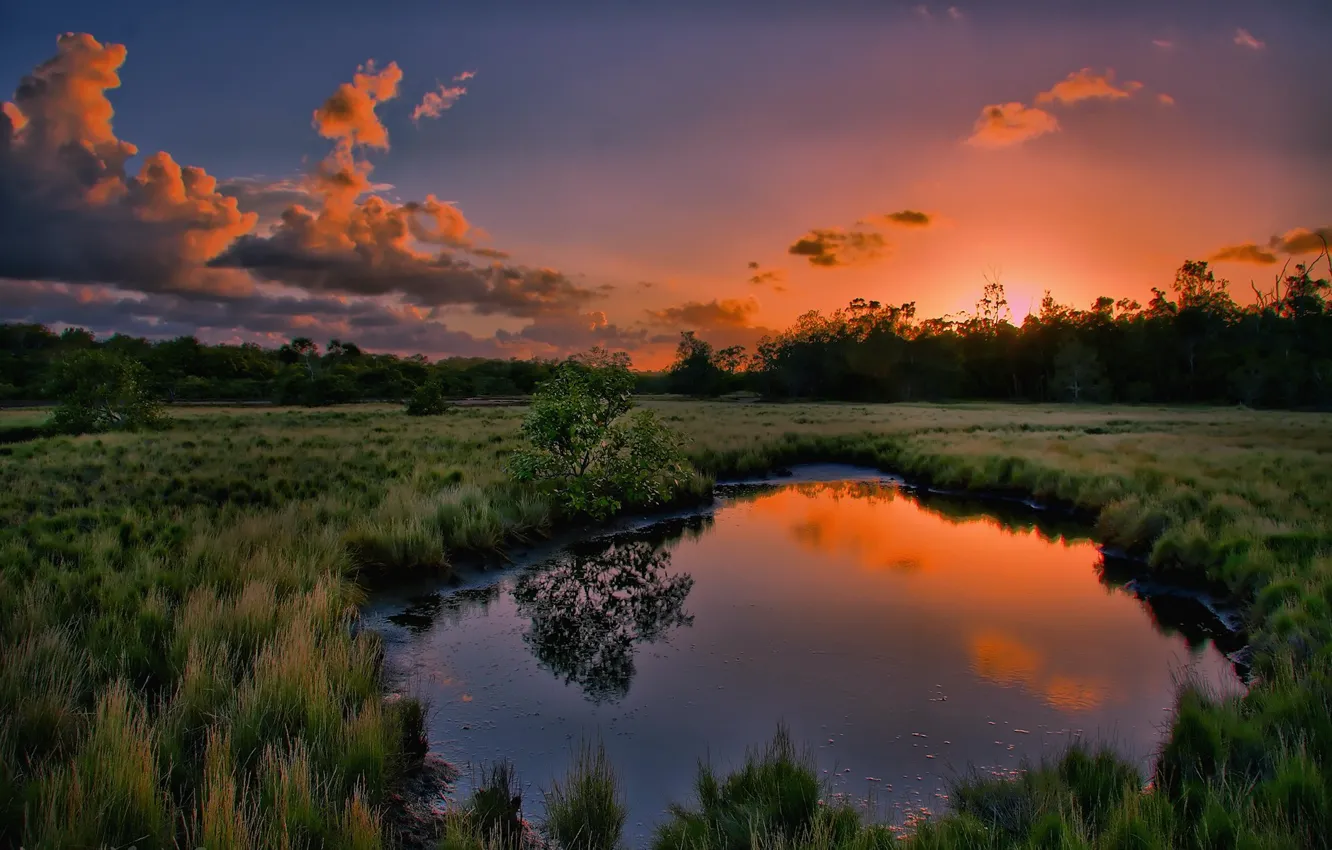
[[508, 182]]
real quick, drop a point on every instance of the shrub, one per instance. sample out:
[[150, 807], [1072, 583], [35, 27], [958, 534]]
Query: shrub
[[582, 435], [100, 391], [586, 811], [428, 400]]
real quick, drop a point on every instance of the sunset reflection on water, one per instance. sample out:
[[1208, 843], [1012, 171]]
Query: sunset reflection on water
[[1030, 610], [905, 637]]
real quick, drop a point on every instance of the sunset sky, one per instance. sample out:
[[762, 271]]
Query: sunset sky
[[510, 179]]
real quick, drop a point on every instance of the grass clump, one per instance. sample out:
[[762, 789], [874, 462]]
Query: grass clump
[[496, 807], [774, 797], [586, 810]]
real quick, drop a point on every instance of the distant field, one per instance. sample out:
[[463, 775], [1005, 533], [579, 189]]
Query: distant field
[[174, 605], [23, 417]]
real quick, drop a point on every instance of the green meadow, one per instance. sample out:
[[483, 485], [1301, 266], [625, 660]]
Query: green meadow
[[183, 665]]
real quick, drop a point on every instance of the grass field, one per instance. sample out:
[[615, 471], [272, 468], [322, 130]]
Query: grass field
[[182, 665]]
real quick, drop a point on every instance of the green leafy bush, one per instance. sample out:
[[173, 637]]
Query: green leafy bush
[[428, 400], [583, 434], [101, 391]]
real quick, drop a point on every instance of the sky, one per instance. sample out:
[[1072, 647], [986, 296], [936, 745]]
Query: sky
[[531, 179]]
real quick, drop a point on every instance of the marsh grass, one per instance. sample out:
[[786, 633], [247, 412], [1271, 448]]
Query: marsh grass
[[182, 664], [772, 800], [586, 809], [496, 807]]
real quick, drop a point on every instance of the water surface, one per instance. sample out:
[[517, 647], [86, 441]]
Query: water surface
[[906, 641]]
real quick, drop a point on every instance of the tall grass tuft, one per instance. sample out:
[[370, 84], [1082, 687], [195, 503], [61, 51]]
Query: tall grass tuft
[[110, 794], [586, 810], [223, 822], [497, 805], [293, 800], [360, 827], [775, 793]]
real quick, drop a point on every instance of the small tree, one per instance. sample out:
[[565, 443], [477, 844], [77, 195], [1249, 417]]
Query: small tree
[[429, 399], [100, 391], [583, 436]]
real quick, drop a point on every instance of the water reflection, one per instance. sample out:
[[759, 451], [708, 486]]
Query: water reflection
[[423, 612], [904, 636], [1004, 660], [591, 606], [1029, 615]]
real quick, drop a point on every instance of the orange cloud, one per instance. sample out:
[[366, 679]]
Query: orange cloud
[[63, 101], [1244, 253], [830, 247], [704, 315], [1165, 99], [165, 192], [1087, 85], [71, 210], [1008, 124], [348, 115], [359, 242], [1244, 38], [1303, 241], [435, 103], [17, 120], [1295, 242]]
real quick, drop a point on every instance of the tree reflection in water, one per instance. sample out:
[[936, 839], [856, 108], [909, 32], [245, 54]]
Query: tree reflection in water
[[594, 604]]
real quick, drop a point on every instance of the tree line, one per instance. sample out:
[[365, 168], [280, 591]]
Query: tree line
[[35, 363], [1191, 344]]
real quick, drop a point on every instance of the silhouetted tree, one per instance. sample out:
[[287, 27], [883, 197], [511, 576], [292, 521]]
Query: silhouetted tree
[[1199, 347]]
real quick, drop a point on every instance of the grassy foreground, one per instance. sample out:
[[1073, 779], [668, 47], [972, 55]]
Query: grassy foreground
[[182, 664]]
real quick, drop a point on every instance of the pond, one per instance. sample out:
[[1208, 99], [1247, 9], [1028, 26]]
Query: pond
[[907, 638]]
